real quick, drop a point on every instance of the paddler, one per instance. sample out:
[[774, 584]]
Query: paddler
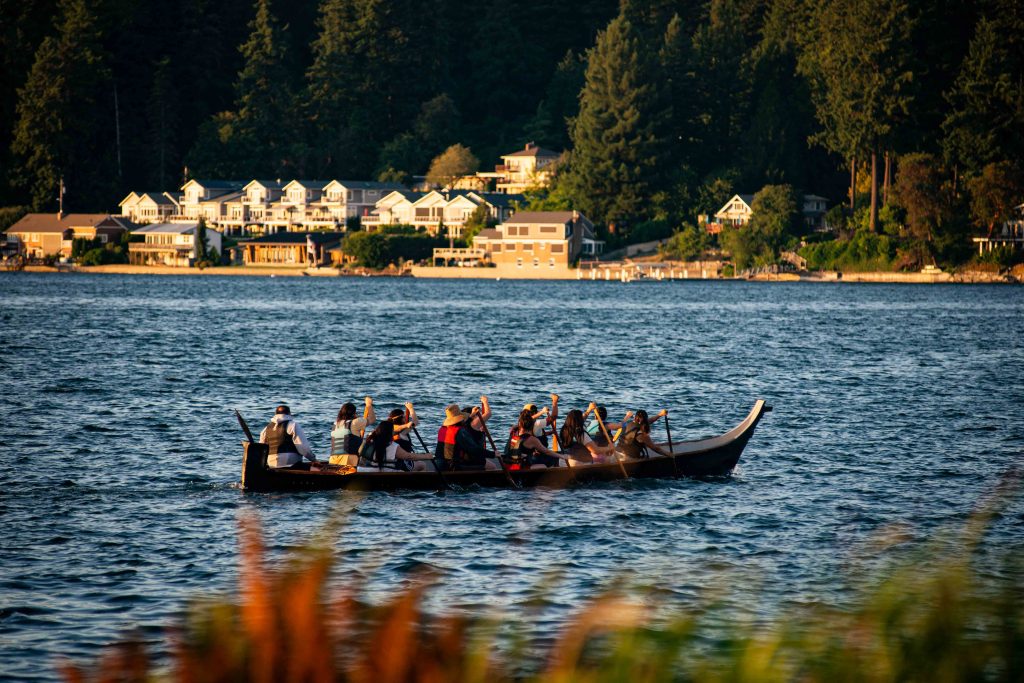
[[636, 441], [457, 447], [348, 431], [578, 445], [594, 430], [541, 427], [287, 441]]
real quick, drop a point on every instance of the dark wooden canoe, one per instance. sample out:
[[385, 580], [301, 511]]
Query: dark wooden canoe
[[714, 456]]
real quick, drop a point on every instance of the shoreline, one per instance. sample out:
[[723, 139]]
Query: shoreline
[[1016, 276]]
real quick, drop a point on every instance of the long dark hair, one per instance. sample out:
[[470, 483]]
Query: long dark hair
[[526, 422], [381, 437], [572, 429], [347, 412], [641, 419]]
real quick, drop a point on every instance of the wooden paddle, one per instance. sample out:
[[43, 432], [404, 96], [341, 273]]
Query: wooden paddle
[[611, 442], [245, 427], [672, 455], [501, 461]]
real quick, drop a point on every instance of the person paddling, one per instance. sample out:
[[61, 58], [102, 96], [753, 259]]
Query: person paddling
[[288, 443], [594, 430], [390, 455], [636, 441], [457, 447], [404, 421], [542, 429], [347, 434], [578, 445], [526, 449]]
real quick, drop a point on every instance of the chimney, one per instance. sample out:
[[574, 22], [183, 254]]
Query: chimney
[[530, 145]]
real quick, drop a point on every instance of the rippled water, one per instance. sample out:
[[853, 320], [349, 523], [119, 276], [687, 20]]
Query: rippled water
[[895, 407]]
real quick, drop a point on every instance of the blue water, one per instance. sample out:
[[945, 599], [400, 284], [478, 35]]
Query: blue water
[[896, 409]]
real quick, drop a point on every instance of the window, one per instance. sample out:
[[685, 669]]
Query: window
[[558, 248], [551, 262], [528, 246], [536, 263], [519, 263], [549, 228], [103, 238], [512, 230], [497, 247]]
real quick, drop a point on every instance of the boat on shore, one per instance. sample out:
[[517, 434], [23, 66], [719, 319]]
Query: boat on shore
[[714, 456]]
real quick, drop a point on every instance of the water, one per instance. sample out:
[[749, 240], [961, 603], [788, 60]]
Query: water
[[896, 408]]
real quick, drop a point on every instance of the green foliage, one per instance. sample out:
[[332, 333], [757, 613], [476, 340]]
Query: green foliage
[[202, 242], [774, 215], [686, 244], [101, 256], [994, 194], [63, 127], [864, 251], [452, 164], [380, 249], [618, 147], [985, 120], [477, 221]]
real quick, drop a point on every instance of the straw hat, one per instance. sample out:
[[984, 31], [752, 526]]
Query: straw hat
[[453, 415]]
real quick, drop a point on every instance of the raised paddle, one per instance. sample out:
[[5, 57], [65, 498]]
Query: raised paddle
[[671, 451], [501, 461], [245, 427], [611, 442]]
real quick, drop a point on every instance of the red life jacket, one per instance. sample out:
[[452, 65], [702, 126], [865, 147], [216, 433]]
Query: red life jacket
[[446, 441]]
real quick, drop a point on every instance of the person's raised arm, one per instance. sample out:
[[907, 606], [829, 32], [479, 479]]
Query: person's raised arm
[[413, 420], [485, 409], [592, 408], [554, 409], [657, 417], [368, 413]]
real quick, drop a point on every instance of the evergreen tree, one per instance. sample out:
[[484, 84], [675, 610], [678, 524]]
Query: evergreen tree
[[986, 121], [617, 163], [256, 138], [163, 128], [65, 115], [550, 123], [863, 84]]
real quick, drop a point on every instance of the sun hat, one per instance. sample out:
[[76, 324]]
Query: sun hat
[[453, 415]]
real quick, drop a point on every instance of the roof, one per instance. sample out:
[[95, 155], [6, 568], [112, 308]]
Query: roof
[[532, 150], [411, 195], [217, 184], [815, 197], [296, 238], [158, 197], [269, 184], [500, 199], [167, 229], [49, 222], [224, 197], [531, 217], [369, 185], [747, 199], [490, 234], [309, 184]]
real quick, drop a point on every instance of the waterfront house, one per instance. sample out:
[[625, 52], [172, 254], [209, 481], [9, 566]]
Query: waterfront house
[[1009, 234], [206, 199], [533, 240], [51, 234], [441, 212], [247, 212], [738, 210], [170, 244], [149, 207], [298, 249], [344, 199], [532, 166], [394, 208]]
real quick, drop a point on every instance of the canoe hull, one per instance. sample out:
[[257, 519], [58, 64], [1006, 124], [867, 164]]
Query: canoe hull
[[716, 456]]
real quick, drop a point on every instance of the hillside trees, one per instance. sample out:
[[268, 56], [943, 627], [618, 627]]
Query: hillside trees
[[617, 145], [65, 121], [862, 82], [250, 140]]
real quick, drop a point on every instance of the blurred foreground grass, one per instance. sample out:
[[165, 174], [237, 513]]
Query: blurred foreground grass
[[953, 615]]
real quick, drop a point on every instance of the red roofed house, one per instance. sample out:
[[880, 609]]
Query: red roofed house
[[49, 234]]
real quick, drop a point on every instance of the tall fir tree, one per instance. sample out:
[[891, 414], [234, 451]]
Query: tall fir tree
[[985, 121], [863, 85], [255, 139], [617, 158], [65, 116]]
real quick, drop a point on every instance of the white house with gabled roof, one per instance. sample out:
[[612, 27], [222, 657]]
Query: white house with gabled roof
[[148, 207]]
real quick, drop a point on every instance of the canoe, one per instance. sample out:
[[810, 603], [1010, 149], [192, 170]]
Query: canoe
[[714, 456]]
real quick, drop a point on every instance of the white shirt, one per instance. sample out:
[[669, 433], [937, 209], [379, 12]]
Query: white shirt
[[298, 438]]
